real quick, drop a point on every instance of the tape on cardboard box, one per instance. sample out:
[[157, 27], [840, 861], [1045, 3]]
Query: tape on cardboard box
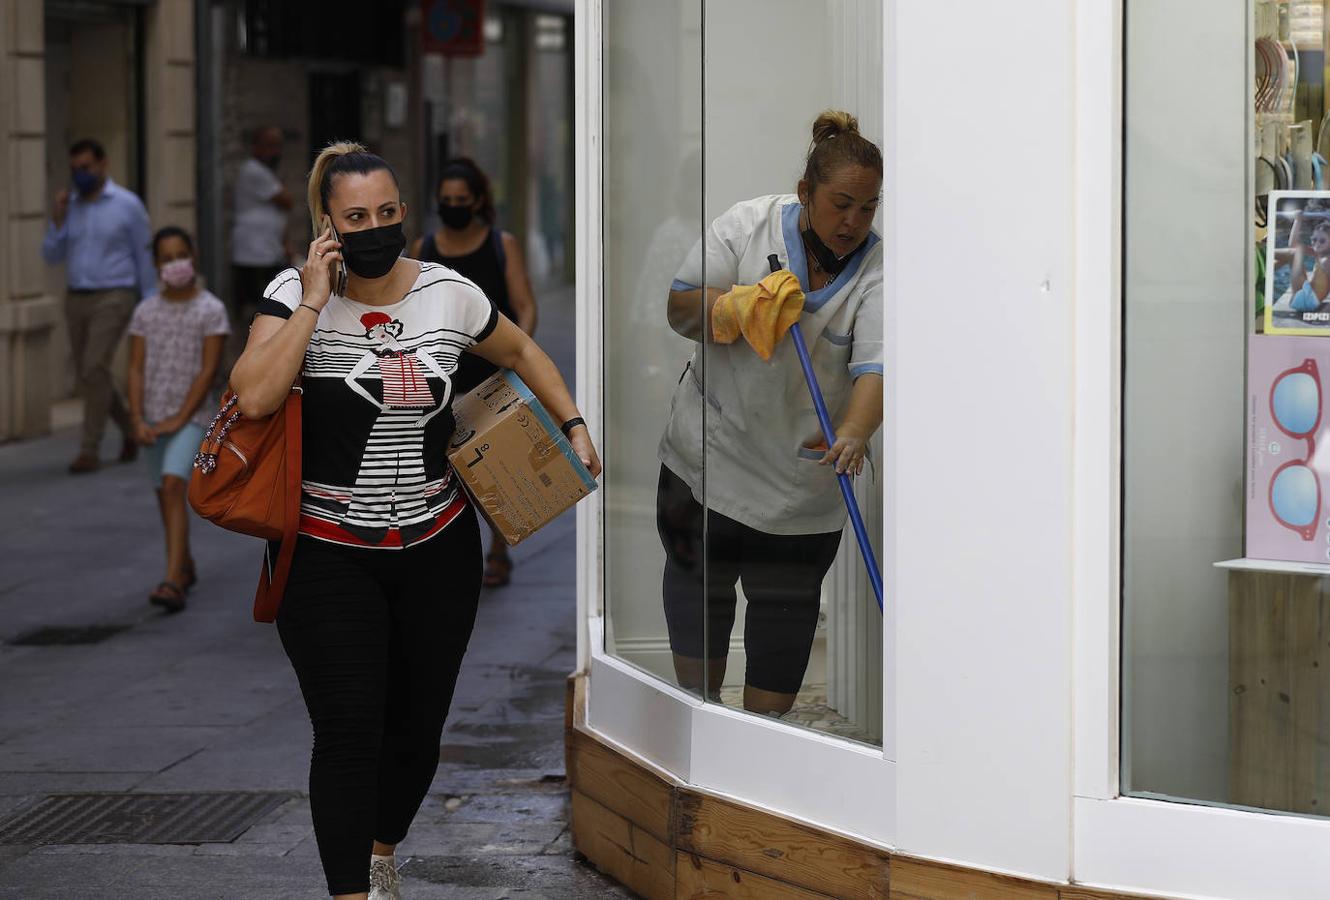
[[519, 469]]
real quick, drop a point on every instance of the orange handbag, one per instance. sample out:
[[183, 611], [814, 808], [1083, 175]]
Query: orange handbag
[[247, 479]]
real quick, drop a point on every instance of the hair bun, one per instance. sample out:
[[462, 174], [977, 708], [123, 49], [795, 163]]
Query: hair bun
[[831, 123]]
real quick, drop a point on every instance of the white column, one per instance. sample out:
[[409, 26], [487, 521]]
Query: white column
[[980, 182]]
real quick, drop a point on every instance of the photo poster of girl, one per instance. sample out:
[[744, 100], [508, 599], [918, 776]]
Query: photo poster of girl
[[1288, 449], [1297, 264]]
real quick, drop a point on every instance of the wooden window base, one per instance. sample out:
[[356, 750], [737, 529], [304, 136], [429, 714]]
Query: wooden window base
[[664, 839]]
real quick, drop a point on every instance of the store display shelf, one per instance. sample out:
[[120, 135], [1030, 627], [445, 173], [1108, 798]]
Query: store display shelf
[[1274, 565]]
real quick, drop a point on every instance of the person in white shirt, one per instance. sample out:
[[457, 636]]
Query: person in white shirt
[[259, 248], [773, 510]]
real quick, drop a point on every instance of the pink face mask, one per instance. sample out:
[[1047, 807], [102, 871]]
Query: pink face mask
[[178, 273]]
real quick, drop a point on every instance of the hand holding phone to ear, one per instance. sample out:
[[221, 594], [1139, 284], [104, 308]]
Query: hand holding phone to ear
[[324, 273]]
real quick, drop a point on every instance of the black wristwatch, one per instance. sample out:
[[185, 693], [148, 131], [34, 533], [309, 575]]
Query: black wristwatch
[[567, 427]]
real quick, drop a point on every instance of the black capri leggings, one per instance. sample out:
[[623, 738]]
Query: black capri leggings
[[782, 578], [376, 638]]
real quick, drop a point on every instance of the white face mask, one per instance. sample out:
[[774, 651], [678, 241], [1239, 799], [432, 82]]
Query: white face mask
[[178, 273]]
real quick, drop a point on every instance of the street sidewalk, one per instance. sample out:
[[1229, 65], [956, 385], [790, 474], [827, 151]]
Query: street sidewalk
[[205, 701]]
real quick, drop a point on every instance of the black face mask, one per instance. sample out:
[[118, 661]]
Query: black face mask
[[455, 217], [372, 252], [827, 260]]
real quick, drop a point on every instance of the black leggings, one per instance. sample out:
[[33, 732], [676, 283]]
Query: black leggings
[[376, 638], [782, 578]]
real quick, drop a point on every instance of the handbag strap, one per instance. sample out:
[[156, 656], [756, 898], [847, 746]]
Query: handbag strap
[[268, 597]]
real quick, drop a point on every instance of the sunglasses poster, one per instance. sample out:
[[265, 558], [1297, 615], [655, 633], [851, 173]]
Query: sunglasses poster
[[1288, 449], [1297, 263]]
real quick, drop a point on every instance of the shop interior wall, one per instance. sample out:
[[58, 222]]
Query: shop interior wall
[[1186, 245]]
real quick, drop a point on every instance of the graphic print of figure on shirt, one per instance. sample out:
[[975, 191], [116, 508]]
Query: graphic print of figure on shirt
[[391, 490]]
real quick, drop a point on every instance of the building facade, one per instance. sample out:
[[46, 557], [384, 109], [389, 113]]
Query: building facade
[[174, 90], [122, 72]]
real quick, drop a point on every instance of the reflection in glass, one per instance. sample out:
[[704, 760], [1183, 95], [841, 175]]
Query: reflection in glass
[[652, 214], [727, 571], [790, 626], [773, 513], [1224, 637]]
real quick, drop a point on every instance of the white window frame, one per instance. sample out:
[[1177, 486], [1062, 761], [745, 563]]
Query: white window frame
[[1121, 842], [765, 762]]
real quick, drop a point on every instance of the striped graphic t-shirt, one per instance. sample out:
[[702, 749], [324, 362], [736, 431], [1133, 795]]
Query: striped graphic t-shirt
[[377, 408]]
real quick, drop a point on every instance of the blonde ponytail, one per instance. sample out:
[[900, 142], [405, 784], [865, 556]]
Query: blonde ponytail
[[338, 158]]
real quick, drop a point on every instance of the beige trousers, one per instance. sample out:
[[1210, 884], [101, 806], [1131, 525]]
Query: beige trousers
[[96, 321]]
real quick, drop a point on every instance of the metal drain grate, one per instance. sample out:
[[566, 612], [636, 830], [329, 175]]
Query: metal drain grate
[[60, 635], [139, 818]]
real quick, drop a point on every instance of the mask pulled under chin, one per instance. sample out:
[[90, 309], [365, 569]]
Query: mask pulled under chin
[[827, 260], [371, 253]]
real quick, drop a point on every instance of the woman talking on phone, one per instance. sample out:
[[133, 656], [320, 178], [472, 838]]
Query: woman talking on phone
[[384, 584]]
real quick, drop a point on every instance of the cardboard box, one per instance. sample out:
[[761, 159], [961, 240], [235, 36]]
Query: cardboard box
[[515, 463]]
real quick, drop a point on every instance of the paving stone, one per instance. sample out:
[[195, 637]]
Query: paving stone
[[553, 877], [516, 808], [35, 784], [206, 701], [88, 749], [153, 850]]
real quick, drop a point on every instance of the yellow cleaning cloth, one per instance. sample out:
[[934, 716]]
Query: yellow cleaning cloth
[[761, 312]]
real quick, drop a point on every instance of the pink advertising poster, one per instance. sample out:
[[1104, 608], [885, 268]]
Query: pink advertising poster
[[1288, 449]]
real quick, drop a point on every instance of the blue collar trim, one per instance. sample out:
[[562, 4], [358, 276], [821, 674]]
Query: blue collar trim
[[797, 262]]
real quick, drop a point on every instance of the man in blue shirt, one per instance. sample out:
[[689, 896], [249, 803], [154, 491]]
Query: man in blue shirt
[[101, 234]]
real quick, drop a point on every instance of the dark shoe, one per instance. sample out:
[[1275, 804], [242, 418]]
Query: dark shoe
[[129, 450], [498, 570], [169, 596], [85, 462]]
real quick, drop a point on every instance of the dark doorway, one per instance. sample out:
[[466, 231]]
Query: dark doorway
[[334, 108]]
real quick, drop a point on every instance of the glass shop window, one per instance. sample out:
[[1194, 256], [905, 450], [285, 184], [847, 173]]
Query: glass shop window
[[1226, 525], [736, 564]]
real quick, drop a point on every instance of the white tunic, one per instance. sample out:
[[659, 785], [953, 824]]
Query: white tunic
[[759, 416], [260, 225]]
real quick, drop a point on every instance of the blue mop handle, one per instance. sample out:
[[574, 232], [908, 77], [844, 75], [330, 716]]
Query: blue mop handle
[[829, 435]]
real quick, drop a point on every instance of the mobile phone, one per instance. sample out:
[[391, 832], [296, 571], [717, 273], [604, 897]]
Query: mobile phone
[[339, 276]]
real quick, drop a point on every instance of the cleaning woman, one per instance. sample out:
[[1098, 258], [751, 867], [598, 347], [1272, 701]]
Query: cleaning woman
[[773, 510]]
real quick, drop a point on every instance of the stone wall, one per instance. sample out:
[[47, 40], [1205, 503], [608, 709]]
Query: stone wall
[[27, 311]]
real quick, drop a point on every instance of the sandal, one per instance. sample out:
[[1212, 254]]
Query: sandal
[[191, 577], [168, 595], [498, 570]]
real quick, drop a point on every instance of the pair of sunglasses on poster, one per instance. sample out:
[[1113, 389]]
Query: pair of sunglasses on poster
[[1295, 488]]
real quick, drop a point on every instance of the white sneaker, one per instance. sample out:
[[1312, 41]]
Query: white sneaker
[[383, 879]]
